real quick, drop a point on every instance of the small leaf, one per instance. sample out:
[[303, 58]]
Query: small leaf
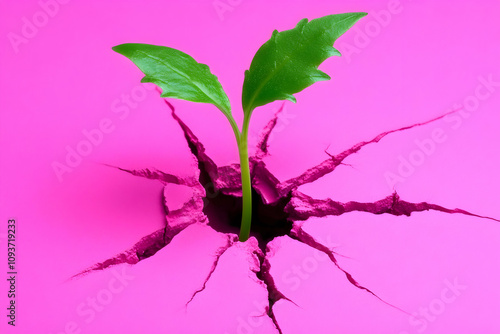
[[177, 74], [288, 62]]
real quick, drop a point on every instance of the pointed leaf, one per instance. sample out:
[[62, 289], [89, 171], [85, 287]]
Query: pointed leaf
[[288, 62], [177, 74]]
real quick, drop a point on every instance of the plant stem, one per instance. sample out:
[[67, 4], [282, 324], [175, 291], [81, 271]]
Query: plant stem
[[235, 128], [246, 182]]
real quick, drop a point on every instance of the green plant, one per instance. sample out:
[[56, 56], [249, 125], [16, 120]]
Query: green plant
[[286, 64]]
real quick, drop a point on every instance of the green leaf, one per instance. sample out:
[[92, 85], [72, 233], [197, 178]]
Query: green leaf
[[288, 62], [177, 74]]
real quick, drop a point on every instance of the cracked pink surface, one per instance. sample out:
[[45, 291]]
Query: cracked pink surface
[[65, 79], [298, 207]]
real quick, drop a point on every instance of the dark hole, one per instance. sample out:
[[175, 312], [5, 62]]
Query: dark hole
[[268, 221]]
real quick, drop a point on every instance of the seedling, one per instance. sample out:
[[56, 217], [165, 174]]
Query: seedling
[[286, 64]]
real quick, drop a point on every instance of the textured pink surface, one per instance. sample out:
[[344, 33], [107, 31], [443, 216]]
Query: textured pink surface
[[412, 67]]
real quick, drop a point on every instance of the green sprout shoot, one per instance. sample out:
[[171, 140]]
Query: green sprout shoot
[[284, 65]]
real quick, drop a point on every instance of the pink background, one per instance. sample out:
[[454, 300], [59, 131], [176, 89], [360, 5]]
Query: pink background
[[414, 65]]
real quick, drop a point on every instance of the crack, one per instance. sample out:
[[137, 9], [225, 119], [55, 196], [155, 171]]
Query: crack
[[264, 275], [176, 221], [146, 247], [280, 207], [230, 240], [208, 171], [155, 174], [271, 315], [263, 144], [329, 165], [302, 207], [297, 233]]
